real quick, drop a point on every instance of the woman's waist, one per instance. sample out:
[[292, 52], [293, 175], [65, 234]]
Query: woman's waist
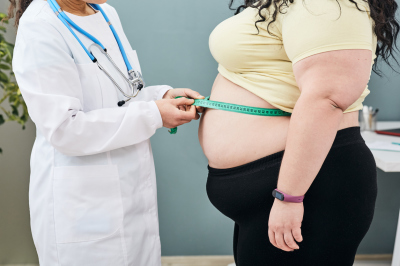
[[234, 139], [229, 138], [224, 90]]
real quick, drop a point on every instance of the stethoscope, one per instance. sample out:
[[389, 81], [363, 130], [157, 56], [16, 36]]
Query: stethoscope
[[135, 80]]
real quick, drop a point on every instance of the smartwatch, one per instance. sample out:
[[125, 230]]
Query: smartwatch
[[285, 197]]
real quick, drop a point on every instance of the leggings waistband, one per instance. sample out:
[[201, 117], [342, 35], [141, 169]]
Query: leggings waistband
[[343, 137]]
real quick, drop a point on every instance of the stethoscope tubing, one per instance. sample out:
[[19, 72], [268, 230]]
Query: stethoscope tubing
[[121, 47], [136, 77], [58, 13], [130, 82]]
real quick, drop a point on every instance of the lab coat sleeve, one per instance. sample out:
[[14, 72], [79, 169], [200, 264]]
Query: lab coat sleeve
[[153, 93], [49, 81], [150, 93]]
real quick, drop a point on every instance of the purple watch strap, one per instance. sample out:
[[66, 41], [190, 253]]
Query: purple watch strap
[[289, 198]]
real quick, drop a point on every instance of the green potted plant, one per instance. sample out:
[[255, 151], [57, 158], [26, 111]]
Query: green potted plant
[[12, 105]]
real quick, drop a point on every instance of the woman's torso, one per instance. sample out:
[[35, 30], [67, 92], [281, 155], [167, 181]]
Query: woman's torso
[[255, 70], [231, 139]]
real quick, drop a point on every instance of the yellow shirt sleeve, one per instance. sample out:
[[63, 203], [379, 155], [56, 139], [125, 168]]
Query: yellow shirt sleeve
[[310, 27]]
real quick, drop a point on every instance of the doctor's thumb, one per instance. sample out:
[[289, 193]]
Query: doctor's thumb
[[193, 94]]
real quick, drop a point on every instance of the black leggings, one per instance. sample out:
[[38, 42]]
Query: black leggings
[[338, 207]]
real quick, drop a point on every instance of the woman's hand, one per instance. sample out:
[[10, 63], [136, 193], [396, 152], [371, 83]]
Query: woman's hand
[[172, 94], [285, 225], [171, 113]]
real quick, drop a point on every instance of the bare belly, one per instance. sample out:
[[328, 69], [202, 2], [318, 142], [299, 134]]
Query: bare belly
[[231, 139]]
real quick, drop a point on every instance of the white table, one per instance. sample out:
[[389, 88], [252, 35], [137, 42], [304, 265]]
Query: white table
[[387, 161]]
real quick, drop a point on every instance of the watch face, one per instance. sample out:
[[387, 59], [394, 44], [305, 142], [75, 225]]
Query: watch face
[[278, 195]]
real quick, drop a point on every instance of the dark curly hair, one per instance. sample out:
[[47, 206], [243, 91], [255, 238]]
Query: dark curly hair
[[18, 9], [383, 12]]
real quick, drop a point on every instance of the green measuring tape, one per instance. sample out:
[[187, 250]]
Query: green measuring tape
[[206, 103]]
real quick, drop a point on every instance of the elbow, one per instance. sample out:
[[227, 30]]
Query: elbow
[[333, 101], [67, 144], [336, 104], [68, 150], [324, 104], [342, 101], [344, 95]]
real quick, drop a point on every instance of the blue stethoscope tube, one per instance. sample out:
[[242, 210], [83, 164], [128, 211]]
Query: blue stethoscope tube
[[67, 22]]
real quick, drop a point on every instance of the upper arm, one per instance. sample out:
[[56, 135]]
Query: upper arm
[[331, 47], [45, 70], [52, 87], [340, 76]]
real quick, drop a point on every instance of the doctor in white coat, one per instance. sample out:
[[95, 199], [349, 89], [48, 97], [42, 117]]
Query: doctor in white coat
[[93, 197]]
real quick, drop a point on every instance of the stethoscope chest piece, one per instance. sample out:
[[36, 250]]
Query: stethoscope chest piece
[[134, 80]]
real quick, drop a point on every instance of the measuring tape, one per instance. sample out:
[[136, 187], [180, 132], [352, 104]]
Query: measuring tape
[[206, 103]]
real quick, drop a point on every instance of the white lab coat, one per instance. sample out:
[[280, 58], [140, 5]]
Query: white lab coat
[[93, 197]]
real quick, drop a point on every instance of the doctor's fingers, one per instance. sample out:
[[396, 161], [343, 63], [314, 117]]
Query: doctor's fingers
[[190, 108], [182, 101], [189, 115], [193, 94], [200, 109], [197, 116]]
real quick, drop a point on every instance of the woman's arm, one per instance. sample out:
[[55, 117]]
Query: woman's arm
[[329, 82]]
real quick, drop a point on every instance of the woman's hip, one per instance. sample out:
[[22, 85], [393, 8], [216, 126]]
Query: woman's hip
[[347, 179]]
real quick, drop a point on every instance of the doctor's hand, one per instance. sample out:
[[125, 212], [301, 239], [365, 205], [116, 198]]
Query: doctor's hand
[[176, 112], [188, 93], [284, 225]]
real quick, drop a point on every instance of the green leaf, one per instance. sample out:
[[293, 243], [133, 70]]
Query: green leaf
[[10, 94], [1, 150], [24, 117], [2, 16], [13, 98], [14, 110], [8, 59], [4, 66], [10, 48], [4, 78]]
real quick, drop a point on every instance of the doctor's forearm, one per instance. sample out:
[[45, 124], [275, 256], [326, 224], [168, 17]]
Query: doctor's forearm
[[101, 130], [312, 130]]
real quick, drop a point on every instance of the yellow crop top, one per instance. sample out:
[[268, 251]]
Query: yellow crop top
[[262, 63]]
